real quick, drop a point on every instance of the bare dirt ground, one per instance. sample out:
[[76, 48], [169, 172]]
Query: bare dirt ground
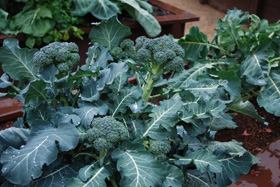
[[208, 15]]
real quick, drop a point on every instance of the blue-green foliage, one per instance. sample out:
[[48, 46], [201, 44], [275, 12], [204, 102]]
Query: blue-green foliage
[[92, 127], [106, 132]]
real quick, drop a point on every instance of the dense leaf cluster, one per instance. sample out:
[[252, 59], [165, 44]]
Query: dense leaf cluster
[[41, 21], [90, 127], [44, 21]]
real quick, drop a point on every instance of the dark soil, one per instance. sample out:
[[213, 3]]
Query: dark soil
[[254, 135]]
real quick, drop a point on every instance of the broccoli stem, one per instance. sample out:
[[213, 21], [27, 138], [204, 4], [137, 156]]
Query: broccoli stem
[[274, 59], [101, 155], [148, 88], [113, 182], [64, 100], [76, 98], [15, 88]]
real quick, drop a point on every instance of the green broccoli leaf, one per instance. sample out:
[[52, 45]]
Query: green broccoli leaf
[[196, 178], [4, 81], [184, 78], [189, 142], [109, 33], [234, 148], [42, 112], [104, 9], [49, 74], [66, 115], [98, 58], [222, 122], [14, 137], [3, 19], [146, 20], [107, 76], [90, 92], [90, 175], [38, 91], [230, 173], [230, 32], [195, 44], [137, 166], [246, 108], [255, 68], [58, 177], [175, 177], [123, 99], [22, 165], [204, 161], [16, 61], [164, 115], [101, 9], [205, 87], [234, 81], [87, 111], [269, 97], [35, 22]]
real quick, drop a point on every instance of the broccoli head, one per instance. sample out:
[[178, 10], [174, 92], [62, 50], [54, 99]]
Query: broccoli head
[[159, 148], [125, 50], [106, 132], [159, 55], [63, 55]]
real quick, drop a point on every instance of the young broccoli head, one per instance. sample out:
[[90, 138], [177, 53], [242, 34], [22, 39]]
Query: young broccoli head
[[163, 51], [159, 148], [106, 132], [159, 55], [125, 50], [63, 55]]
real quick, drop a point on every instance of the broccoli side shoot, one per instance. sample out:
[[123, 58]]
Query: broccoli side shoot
[[159, 148], [125, 50], [105, 133], [63, 55]]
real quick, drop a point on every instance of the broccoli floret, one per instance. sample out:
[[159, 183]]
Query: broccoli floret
[[144, 55], [117, 53], [106, 132], [63, 67], [159, 148], [141, 42], [176, 63], [125, 50], [160, 57], [127, 44], [63, 55]]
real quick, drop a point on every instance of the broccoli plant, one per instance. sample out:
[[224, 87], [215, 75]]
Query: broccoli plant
[[90, 127]]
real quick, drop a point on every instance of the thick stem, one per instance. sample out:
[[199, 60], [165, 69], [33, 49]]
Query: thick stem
[[64, 100], [274, 59], [15, 88], [113, 182], [76, 98], [148, 88]]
